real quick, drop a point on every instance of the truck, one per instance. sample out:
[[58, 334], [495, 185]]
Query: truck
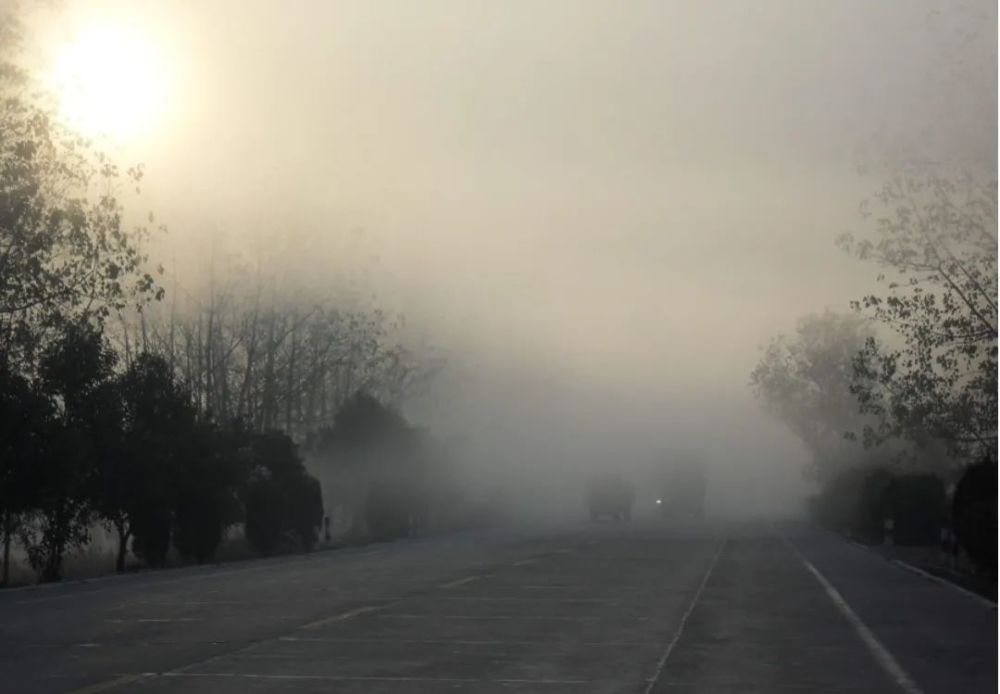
[[610, 495]]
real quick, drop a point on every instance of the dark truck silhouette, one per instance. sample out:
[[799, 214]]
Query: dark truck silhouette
[[610, 495]]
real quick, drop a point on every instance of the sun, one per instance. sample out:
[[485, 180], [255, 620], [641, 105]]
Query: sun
[[110, 82]]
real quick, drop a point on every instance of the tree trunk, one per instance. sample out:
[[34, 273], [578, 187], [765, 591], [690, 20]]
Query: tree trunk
[[290, 390], [52, 568], [267, 396], [123, 537], [8, 527]]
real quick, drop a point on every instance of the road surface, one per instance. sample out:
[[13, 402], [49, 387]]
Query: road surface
[[642, 607]]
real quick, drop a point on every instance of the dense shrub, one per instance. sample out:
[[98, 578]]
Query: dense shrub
[[306, 511], [394, 465], [283, 515], [859, 500], [283, 503], [210, 476], [853, 502], [918, 504], [871, 508], [265, 511], [974, 514], [151, 535], [198, 527]]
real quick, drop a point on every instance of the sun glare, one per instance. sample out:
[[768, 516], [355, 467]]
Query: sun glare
[[110, 82]]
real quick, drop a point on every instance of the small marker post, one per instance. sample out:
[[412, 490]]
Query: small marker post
[[887, 527]]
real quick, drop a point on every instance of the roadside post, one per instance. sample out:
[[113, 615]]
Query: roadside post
[[887, 527], [949, 546]]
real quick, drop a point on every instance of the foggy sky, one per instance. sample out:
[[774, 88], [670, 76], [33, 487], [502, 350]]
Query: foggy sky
[[598, 210]]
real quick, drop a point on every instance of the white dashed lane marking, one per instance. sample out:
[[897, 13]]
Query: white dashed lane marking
[[460, 582], [341, 617]]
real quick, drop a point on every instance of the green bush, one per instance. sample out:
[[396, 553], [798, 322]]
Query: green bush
[[151, 535], [871, 507], [918, 504], [853, 502], [198, 526], [282, 502], [209, 478], [306, 512], [265, 515], [974, 514], [859, 500]]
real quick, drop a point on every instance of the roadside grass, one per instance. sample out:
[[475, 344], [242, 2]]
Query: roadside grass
[[97, 559], [96, 562]]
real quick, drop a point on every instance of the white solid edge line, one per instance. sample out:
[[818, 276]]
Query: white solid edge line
[[881, 654], [917, 570], [937, 579], [684, 618]]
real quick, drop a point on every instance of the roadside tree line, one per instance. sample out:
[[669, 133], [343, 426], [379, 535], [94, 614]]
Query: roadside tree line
[[165, 421], [275, 359], [897, 400], [84, 443]]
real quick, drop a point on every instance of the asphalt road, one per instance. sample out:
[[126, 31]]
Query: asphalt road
[[643, 607]]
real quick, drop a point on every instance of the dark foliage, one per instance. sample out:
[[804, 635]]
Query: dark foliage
[[284, 506], [918, 505], [76, 375], [24, 418], [307, 511], [974, 514], [136, 486], [364, 422], [392, 459], [81, 444], [151, 532], [265, 514], [198, 525], [210, 475], [84, 439], [853, 502], [859, 500]]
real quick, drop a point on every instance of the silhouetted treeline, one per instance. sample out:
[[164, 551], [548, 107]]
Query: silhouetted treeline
[[275, 359], [384, 477], [84, 443], [897, 401], [860, 500], [165, 425], [974, 514]]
